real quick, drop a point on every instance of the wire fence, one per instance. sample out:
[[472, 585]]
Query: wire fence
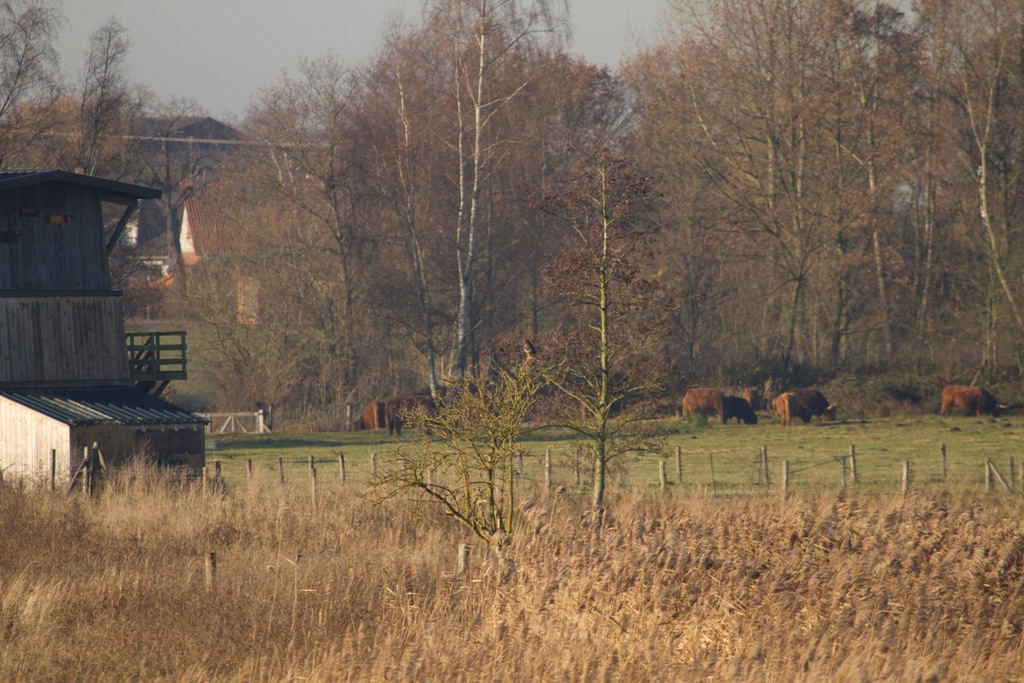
[[704, 472]]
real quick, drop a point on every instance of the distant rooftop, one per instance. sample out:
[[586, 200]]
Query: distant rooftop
[[189, 127]]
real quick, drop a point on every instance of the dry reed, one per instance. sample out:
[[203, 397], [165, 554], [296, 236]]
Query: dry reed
[[818, 587]]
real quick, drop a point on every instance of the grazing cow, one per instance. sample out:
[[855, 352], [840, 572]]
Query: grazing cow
[[815, 403], [971, 400], [735, 406], [373, 417], [397, 408], [703, 402], [788, 406], [754, 398]]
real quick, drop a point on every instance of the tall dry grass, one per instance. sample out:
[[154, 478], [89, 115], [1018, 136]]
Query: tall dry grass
[[839, 588]]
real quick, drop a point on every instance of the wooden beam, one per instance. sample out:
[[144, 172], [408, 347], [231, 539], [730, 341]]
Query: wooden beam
[[129, 211]]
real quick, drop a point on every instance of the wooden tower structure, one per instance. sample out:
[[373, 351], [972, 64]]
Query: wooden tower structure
[[66, 364]]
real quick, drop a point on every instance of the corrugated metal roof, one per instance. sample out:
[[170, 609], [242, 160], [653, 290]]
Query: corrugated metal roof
[[102, 406]]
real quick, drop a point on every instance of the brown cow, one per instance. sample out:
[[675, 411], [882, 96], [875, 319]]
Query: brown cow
[[788, 406], [397, 408], [815, 403], [703, 402], [735, 406], [971, 400], [373, 417]]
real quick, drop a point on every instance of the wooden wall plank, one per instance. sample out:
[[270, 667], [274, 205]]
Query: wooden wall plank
[[69, 339]]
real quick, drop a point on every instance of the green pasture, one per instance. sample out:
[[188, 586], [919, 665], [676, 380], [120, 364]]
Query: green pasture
[[715, 459]]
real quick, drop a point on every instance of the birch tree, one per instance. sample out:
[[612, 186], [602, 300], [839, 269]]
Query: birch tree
[[987, 84], [482, 37]]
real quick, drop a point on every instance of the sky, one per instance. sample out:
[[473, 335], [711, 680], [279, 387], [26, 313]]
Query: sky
[[221, 53]]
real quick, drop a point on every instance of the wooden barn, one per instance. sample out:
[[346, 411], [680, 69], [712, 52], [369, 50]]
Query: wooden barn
[[70, 376]]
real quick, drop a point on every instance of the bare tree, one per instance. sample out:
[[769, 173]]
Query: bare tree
[[398, 113], [311, 158], [465, 457], [444, 104], [107, 108], [987, 41], [28, 75], [696, 241], [613, 353], [481, 36]]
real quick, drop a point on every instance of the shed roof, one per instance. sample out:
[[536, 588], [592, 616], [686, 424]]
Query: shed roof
[[12, 180], [102, 406]]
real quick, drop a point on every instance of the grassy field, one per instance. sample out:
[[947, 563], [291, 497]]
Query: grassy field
[[731, 452]]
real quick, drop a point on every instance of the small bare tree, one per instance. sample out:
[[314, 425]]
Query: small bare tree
[[465, 457], [613, 366]]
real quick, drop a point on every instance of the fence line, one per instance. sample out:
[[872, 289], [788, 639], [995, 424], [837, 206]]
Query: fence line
[[715, 472]]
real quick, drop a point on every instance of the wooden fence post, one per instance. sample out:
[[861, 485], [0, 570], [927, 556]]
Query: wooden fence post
[[905, 487], [997, 474], [763, 468], [547, 470], [341, 466], [280, 470], [53, 470], [87, 471], [853, 463], [463, 557], [1013, 473], [248, 471], [945, 471], [679, 465], [206, 479], [373, 464], [760, 466], [988, 475], [312, 486], [261, 426], [211, 572], [714, 484], [785, 478], [842, 474], [662, 477]]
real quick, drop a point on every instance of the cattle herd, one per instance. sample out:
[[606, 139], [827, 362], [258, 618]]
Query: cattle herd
[[791, 405], [803, 404]]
